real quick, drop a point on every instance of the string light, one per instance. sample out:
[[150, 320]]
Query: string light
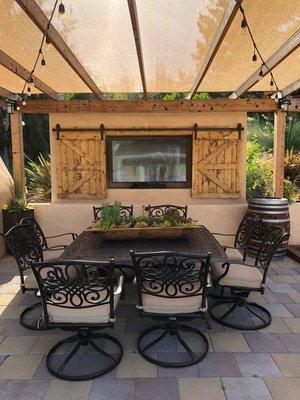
[[254, 57], [28, 91], [244, 23], [24, 102], [47, 39], [18, 108], [261, 73], [61, 10]]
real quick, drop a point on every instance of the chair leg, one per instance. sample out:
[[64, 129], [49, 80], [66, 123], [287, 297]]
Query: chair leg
[[255, 313], [176, 330], [32, 317], [81, 340]]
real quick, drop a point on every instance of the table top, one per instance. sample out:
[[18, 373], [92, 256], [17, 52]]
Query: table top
[[90, 246]]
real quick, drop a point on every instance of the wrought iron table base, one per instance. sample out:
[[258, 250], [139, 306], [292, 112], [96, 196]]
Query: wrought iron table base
[[83, 339], [32, 317], [174, 329], [255, 313]]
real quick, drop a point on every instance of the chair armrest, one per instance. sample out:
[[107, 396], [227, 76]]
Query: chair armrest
[[119, 287], [74, 235], [222, 234], [58, 247]]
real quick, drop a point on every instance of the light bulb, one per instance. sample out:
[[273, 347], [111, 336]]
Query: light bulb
[[47, 39], [23, 123], [18, 108], [24, 103], [28, 91], [61, 11], [43, 62]]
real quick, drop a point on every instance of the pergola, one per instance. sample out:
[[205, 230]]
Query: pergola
[[148, 46]]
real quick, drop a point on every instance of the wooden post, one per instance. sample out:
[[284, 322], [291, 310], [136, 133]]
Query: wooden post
[[279, 150], [17, 148]]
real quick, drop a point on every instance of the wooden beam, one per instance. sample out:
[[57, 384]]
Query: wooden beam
[[295, 105], [125, 106], [276, 58], [6, 94], [228, 16], [279, 150], [17, 148], [23, 73], [36, 14], [138, 43], [290, 88]]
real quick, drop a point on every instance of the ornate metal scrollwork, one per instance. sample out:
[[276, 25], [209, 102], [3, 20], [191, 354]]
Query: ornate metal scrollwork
[[246, 229], [126, 211], [160, 210], [272, 239], [38, 231]]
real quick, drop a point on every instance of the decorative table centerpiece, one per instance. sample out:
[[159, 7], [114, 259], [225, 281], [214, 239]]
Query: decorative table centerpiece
[[113, 226]]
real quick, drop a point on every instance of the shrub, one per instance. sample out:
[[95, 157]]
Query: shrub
[[292, 167], [289, 191], [39, 178]]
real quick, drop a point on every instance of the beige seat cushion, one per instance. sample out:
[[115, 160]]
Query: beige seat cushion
[[30, 282], [98, 314], [234, 254], [238, 276], [172, 305]]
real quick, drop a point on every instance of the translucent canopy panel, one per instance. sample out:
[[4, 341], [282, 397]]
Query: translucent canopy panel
[[21, 39], [11, 82], [272, 22], [99, 33], [175, 35]]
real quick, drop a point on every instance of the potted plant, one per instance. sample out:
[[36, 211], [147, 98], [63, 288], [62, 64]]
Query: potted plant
[[16, 207]]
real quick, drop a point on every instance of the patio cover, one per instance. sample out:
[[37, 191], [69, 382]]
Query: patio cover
[[175, 37]]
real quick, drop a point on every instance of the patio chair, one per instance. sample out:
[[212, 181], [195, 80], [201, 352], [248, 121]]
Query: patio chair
[[172, 288], [25, 247], [126, 211], [242, 279], [159, 210], [248, 227], [80, 296], [43, 240]]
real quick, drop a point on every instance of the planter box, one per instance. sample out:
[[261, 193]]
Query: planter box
[[175, 232], [11, 218]]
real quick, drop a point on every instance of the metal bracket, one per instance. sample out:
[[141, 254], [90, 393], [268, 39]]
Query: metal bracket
[[239, 129], [102, 131], [195, 129], [57, 130]]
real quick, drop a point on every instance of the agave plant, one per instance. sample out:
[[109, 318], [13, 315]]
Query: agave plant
[[292, 167], [39, 178], [17, 200]]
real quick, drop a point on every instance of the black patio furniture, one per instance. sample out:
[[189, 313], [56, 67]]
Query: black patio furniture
[[236, 311], [247, 228], [126, 211], [172, 288], [43, 240], [24, 245], [80, 296], [159, 210]]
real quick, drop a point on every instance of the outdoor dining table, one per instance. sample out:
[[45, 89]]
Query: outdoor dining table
[[90, 246]]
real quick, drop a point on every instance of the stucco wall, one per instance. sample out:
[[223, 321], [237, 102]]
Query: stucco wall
[[82, 119], [5, 182]]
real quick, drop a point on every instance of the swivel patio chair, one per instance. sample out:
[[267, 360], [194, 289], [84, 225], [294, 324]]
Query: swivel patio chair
[[43, 240], [80, 296], [25, 247], [160, 210], [242, 279], [172, 288], [126, 211], [249, 225]]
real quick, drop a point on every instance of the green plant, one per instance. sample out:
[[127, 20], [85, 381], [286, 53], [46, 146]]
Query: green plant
[[17, 200], [39, 178], [289, 191], [292, 167], [110, 215]]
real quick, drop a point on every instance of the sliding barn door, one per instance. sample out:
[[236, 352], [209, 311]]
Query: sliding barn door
[[80, 167], [216, 165]]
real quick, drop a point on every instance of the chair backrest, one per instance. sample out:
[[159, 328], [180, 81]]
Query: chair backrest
[[38, 231], [160, 210], [171, 275], [75, 284], [24, 245], [126, 211], [246, 229]]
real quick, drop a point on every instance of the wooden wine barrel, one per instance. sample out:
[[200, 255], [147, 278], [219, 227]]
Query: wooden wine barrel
[[274, 211]]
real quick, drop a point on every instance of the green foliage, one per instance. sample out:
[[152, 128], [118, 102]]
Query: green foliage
[[292, 167], [261, 130], [259, 179], [292, 138], [17, 200], [39, 178], [110, 215], [36, 135], [289, 191]]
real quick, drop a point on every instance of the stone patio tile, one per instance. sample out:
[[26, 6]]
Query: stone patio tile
[[283, 279], [138, 325], [17, 345], [193, 342], [294, 309], [278, 310], [256, 365], [19, 367], [8, 288], [293, 324], [156, 389], [278, 298], [201, 324], [200, 389], [296, 286], [24, 390], [218, 365], [289, 364], [284, 388], [10, 299], [229, 342], [44, 343], [12, 327], [133, 365], [60, 390], [11, 312], [42, 371], [112, 389], [281, 287], [245, 389], [265, 343], [184, 372], [295, 296], [291, 342], [277, 326]]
